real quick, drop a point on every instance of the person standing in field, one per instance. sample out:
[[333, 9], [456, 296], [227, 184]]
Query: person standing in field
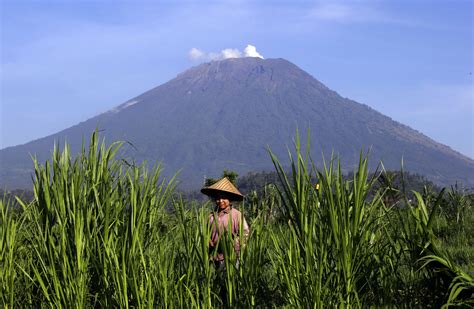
[[225, 217]]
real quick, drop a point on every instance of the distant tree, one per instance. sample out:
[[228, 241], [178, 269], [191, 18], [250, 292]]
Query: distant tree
[[209, 182], [231, 175], [9, 197], [257, 181]]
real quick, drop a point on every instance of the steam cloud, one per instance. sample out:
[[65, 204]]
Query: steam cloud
[[249, 51]]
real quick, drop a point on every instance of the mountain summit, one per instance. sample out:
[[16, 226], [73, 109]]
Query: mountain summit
[[224, 114]]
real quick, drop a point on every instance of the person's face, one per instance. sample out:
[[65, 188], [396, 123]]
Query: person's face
[[222, 201]]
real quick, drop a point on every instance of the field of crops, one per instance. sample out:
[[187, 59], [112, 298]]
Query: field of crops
[[103, 233]]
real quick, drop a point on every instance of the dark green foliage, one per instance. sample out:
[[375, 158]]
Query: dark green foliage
[[257, 181], [25, 195], [231, 175]]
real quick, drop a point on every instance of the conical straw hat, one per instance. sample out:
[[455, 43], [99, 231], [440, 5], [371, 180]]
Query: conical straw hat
[[223, 186]]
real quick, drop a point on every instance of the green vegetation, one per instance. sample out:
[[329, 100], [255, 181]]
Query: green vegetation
[[103, 233], [231, 175]]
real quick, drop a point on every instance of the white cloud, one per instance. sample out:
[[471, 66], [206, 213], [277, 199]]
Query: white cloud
[[251, 51], [195, 53], [199, 55], [231, 53]]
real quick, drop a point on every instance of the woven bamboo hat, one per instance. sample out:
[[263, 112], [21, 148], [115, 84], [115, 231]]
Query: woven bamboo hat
[[223, 186]]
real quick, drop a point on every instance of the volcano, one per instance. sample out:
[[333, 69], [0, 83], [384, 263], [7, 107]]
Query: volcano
[[224, 114]]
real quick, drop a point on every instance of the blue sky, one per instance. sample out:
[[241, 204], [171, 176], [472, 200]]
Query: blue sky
[[63, 62]]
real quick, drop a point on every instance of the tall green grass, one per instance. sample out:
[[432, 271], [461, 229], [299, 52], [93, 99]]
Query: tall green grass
[[94, 222], [325, 251], [104, 233], [9, 226]]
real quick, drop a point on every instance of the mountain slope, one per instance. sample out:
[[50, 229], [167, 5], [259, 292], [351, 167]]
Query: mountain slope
[[223, 114]]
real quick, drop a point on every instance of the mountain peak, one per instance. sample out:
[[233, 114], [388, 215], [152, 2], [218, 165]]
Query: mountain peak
[[268, 74], [223, 114], [237, 65]]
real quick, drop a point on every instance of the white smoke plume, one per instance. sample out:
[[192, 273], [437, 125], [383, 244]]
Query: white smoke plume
[[231, 53], [195, 53], [199, 55], [251, 51]]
